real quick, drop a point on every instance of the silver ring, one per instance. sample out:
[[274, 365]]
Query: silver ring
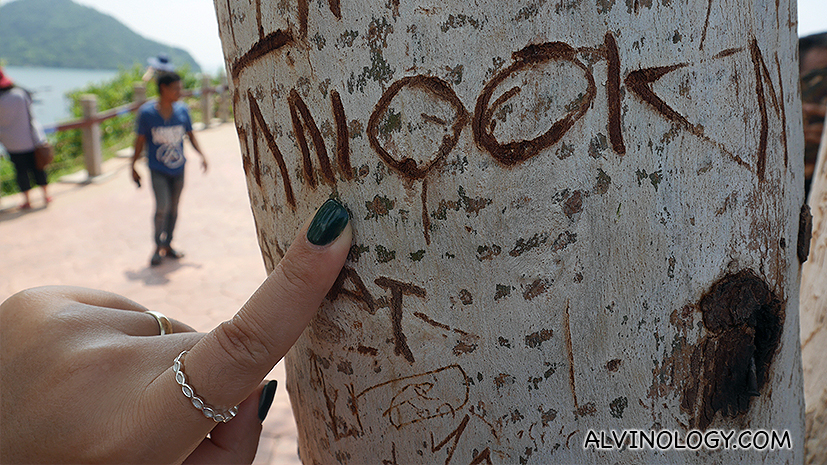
[[214, 414], [163, 322]]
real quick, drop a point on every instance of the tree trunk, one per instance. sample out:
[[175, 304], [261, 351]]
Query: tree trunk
[[571, 218], [814, 316]]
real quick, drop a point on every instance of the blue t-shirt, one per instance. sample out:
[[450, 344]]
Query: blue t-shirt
[[164, 138]]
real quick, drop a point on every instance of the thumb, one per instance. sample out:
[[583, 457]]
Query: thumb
[[230, 362]]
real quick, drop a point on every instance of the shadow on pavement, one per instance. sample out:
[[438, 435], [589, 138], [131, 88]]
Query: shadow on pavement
[[157, 275], [12, 213]]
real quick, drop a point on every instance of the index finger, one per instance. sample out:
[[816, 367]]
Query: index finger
[[229, 363]]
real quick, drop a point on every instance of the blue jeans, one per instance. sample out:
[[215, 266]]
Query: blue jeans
[[167, 193]]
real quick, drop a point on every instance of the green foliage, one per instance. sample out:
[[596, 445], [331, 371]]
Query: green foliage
[[116, 92], [7, 177], [63, 34]]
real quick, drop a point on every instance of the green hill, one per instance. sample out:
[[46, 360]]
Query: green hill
[[63, 34]]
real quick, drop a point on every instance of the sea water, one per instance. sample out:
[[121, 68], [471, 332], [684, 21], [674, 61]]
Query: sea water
[[50, 85]]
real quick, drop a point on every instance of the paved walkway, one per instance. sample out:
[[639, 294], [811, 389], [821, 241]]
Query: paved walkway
[[100, 236]]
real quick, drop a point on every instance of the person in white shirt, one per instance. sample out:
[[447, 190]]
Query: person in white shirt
[[20, 133]]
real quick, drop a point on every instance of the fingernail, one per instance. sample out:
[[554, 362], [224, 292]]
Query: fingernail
[[266, 399], [328, 223]]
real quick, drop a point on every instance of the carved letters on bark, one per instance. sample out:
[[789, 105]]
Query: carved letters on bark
[[438, 392], [511, 153]]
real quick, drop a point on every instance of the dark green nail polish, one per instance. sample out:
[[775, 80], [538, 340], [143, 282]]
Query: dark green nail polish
[[328, 223], [266, 399]]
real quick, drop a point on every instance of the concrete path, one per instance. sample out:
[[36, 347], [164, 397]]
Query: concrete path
[[100, 236]]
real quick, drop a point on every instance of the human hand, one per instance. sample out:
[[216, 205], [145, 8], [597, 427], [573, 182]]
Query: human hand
[[135, 176], [814, 115], [86, 378]]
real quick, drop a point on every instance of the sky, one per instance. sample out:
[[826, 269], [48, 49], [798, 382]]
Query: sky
[[812, 16], [192, 25], [188, 24]]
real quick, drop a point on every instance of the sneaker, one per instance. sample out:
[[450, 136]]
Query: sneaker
[[155, 260], [172, 253]]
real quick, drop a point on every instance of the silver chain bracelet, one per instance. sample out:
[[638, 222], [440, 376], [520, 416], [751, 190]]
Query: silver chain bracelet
[[197, 402]]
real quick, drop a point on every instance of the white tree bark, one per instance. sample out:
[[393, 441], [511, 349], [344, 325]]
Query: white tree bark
[[570, 217], [814, 316]]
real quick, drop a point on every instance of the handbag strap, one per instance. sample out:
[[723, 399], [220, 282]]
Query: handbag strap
[[35, 139]]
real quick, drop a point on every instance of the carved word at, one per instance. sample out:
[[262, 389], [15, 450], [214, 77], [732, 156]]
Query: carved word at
[[363, 297]]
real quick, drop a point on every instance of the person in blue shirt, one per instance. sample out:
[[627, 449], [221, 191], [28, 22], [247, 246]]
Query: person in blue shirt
[[161, 127]]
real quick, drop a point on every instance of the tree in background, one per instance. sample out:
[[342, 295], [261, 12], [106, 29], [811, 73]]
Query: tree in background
[[570, 218]]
